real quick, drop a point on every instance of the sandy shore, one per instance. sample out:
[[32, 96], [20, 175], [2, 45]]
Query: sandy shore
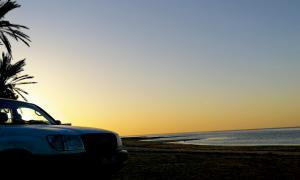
[[169, 160]]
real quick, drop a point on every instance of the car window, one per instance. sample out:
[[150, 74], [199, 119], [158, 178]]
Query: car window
[[30, 114], [22, 113], [6, 112]]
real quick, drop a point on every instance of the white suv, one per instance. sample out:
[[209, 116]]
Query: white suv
[[27, 131]]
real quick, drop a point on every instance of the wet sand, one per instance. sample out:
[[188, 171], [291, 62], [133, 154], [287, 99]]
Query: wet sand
[[169, 160]]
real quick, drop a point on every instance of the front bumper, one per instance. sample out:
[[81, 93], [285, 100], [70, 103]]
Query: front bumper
[[87, 162]]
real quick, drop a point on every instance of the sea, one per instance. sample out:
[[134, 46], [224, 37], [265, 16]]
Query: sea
[[288, 136]]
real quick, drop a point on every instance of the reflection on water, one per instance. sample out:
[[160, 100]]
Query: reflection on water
[[274, 136]]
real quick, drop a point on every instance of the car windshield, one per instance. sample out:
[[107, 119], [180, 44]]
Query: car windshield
[[14, 112]]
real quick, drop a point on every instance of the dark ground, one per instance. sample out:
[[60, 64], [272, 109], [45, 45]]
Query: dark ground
[[159, 160]]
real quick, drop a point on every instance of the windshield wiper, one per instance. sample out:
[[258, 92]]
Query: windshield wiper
[[37, 122]]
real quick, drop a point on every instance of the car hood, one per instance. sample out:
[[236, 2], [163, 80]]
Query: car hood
[[69, 130]]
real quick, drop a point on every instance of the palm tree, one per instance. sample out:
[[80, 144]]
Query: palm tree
[[10, 78], [6, 28]]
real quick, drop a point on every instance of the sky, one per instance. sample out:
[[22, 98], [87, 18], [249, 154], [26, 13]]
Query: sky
[[141, 67]]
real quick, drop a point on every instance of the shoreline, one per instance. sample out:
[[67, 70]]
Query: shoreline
[[138, 144]]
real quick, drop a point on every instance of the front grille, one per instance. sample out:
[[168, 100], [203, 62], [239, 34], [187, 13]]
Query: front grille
[[99, 142]]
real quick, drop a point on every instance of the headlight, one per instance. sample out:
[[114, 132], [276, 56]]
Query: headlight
[[119, 141], [65, 143], [56, 142], [72, 143]]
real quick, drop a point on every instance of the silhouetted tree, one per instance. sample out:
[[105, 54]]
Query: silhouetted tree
[[6, 28], [10, 78]]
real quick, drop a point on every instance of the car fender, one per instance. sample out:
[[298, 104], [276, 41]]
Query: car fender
[[27, 143]]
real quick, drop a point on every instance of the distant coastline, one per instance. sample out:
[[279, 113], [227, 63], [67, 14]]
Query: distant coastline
[[279, 136]]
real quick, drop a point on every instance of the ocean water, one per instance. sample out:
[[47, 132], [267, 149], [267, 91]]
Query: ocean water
[[253, 137]]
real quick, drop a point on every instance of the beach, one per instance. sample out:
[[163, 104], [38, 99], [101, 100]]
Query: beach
[[170, 160]]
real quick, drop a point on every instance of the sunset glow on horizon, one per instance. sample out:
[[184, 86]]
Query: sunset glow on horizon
[[153, 67]]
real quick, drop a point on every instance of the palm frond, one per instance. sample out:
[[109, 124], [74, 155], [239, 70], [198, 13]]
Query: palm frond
[[7, 6], [17, 35], [18, 77], [7, 24], [13, 69], [13, 30], [21, 95], [5, 42], [10, 78], [25, 83], [10, 87], [28, 77], [19, 89], [4, 66]]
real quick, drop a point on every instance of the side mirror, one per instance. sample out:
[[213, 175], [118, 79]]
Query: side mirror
[[57, 122], [67, 124]]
